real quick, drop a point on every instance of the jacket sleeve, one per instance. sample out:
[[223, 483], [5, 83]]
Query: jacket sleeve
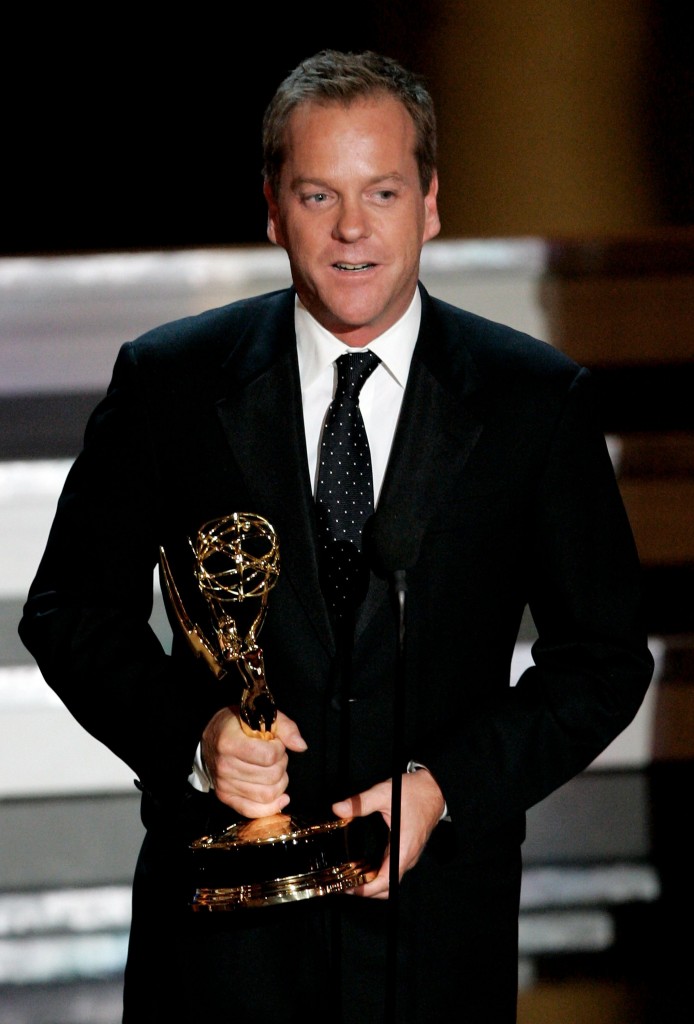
[[86, 619], [591, 662]]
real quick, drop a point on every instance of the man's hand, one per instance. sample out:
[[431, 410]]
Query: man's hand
[[249, 774], [422, 805]]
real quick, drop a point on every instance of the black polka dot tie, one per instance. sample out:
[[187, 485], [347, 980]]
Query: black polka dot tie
[[344, 493]]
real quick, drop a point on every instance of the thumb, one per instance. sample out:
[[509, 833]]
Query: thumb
[[347, 808], [362, 804], [288, 732]]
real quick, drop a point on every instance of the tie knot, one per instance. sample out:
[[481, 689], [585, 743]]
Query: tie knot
[[353, 369]]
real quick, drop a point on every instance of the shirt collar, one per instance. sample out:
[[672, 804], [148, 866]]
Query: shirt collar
[[317, 348]]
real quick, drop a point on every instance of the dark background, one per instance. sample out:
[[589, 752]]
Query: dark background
[[126, 129], [126, 136]]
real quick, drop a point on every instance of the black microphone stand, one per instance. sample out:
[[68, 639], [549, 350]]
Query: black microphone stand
[[399, 688], [344, 627]]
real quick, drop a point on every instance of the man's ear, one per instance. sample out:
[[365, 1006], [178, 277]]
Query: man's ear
[[274, 231], [432, 223]]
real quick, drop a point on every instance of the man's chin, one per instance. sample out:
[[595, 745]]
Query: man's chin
[[350, 322]]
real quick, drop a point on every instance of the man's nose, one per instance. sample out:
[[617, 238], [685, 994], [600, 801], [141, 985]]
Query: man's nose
[[352, 221]]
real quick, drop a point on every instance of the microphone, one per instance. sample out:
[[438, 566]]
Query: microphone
[[393, 543]]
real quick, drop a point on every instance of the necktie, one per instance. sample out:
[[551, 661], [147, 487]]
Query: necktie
[[344, 493]]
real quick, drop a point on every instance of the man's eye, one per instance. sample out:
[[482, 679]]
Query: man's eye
[[316, 198]]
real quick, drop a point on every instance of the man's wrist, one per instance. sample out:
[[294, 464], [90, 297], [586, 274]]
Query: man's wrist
[[416, 766]]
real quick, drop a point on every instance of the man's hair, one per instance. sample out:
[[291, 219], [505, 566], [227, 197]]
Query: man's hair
[[335, 77]]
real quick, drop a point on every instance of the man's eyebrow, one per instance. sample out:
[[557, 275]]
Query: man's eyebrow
[[389, 176], [312, 182]]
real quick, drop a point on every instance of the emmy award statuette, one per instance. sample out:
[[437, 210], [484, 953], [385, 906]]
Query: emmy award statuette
[[280, 858]]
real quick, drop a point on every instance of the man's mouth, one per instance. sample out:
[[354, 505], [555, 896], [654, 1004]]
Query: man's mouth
[[353, 266]]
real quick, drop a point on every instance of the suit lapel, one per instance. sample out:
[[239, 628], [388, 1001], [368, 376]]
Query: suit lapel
[[438, 428], [263, 422]]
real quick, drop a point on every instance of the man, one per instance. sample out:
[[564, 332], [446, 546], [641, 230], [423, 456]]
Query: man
[[493, 491]]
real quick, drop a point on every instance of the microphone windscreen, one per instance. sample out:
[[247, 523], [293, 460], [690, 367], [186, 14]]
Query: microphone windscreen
[[392, 542]]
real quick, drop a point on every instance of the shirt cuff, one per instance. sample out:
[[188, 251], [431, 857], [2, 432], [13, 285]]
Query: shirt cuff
[[198, 778]]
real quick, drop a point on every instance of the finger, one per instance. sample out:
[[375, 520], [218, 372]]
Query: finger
[[251, 773], [264, 754], [264, 795], [379, 887], [251, 808]]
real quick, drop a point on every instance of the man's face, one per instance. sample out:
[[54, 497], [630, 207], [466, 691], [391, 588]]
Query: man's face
[[351, 214]]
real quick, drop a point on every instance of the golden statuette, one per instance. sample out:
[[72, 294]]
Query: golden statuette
[[279, 858]]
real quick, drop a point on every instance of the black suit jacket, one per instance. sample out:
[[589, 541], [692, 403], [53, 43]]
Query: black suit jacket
[[499, 494]]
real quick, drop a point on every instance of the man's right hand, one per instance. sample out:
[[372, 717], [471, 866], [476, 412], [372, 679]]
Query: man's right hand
[[249, 774]]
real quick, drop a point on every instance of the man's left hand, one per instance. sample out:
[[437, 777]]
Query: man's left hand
[[422, 805]]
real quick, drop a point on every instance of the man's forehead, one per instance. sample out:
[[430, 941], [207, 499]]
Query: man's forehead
[[309, 108]]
